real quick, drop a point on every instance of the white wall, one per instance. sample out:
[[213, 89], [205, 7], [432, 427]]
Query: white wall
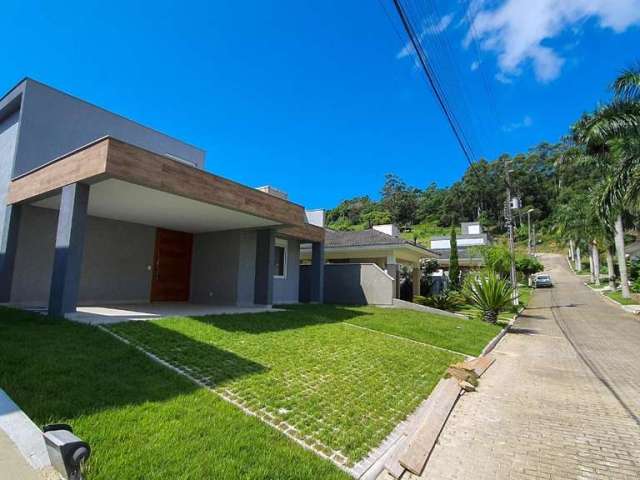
[[462, 242], [389, 229]]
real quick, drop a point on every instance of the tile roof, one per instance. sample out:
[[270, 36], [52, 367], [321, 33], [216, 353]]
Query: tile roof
[[366, 238]]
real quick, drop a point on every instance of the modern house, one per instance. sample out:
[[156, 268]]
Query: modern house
[[468, 241], [379, 248], [98, 209]]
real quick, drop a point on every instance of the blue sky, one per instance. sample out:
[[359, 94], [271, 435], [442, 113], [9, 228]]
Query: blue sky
[[319, 98]]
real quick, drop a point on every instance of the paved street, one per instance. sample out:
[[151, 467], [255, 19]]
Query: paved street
[[562, 400]]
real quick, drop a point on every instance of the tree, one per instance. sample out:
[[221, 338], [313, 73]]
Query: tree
[[400, 200], [454, 267], [613, 134], [376, 217], [527, 266], [497, 258]]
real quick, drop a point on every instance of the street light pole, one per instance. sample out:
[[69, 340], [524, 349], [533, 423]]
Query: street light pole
[[529, 228], [509, 222]]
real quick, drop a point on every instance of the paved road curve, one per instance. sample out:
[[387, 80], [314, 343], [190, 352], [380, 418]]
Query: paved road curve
[[562, 400]]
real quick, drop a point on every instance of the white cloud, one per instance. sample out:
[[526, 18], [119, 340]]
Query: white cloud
[[427, 29], [516, 29], [526, 122], [474, 66], [441, 26]]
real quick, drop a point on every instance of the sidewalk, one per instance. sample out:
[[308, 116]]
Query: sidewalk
[[13, 466]]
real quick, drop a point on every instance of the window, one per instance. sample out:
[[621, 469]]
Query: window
[[280, 270]]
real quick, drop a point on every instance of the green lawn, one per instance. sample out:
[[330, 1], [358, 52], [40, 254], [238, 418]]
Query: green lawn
[[310, 369], [617, 296], [142, 420], [461, 335], [342, 388], [423, 232]]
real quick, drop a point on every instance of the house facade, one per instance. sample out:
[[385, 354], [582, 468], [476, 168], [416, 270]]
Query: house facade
[[381, 247], [472, 237], [99, 209]]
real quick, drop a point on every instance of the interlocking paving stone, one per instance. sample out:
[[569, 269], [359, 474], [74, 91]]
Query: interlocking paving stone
[[550, 408]]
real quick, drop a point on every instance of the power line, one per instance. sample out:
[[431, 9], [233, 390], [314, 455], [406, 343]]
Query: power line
[[435, 84]]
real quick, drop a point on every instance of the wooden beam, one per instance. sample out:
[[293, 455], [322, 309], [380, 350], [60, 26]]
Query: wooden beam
[[142, 167], [81, 165], [421, 443], [111, 158]]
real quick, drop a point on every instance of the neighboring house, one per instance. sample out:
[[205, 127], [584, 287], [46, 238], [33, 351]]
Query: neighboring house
[[99, 209], [468, 241], [380, 247]]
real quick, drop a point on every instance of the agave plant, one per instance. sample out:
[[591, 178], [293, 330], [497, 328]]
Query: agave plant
[[490, 293]]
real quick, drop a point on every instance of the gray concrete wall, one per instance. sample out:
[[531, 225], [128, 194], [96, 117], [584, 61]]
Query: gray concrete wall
[[115, 267], [54, 123], [8, 139], [285, 290], [214, 268], [351, 284], [246, 268]]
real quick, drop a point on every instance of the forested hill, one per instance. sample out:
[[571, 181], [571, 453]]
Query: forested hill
[[478, 195]]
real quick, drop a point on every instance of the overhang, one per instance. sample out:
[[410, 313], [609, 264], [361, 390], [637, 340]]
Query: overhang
[[132, 184]]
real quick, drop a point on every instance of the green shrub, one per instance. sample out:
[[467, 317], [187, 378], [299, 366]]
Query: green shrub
[[447, 300], [489, 293], [634, 269]]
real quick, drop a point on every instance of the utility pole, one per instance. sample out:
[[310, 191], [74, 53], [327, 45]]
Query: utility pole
[[509, 223]]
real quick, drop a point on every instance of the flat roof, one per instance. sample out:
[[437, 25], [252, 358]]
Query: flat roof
[[106, 160]]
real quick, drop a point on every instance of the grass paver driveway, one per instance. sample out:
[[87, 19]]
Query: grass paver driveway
[[143, 421], [342, 389]]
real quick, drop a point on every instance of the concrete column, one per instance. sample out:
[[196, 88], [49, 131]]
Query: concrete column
[[265, 257], [317, 273], [394, 272], [8, 249], [416, 274], [67, 262]]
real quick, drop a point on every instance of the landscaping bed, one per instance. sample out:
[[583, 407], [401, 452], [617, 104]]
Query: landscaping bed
[[616, 295]]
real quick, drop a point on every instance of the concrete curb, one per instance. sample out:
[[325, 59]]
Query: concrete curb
[[494, 342], [633, 309], [24, 434]]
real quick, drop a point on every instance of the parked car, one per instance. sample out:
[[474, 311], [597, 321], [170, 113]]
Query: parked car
[[543, 280]]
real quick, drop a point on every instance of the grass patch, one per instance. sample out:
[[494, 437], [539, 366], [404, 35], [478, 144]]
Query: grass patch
[[461, 335], [142, 420], [617, 296], [342, 388], [423, 232]]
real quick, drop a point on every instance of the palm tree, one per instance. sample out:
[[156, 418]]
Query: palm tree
[[613, 134]]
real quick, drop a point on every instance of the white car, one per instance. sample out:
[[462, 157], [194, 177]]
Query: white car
[[543, 280]]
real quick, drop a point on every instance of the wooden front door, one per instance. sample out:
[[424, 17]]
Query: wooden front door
[[171, 266]]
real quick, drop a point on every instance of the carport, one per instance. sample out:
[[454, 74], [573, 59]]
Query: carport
[[111, 218]]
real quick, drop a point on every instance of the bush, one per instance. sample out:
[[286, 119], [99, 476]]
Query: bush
[[634, 269], [528, 265], [635, 286], [489, 293], [447, 300]]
